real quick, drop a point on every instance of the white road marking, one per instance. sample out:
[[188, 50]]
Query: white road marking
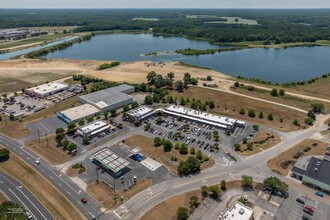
[[117, 214], [20, 201]]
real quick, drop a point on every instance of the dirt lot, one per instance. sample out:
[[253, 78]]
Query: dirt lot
[[167, 210], [53, 154], [284, 162], [104, 193], [230, 105], [17, 129], [147, 146], [263, 140], [2, 198], [53, 200]]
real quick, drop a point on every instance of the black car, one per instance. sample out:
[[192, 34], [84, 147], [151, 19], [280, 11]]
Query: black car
[[304, 217], [308, 212], [301, 201]]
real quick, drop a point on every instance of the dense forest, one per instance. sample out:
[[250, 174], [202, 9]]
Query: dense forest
[[274, 26]]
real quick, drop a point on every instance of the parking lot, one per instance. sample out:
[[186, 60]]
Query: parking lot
[[125, 181], [297, 212], [197, 135]]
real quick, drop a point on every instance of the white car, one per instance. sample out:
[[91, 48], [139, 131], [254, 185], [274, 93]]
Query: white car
[[37, 161], [28, 215]]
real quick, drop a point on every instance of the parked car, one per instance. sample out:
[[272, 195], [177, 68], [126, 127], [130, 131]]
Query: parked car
[[300, 200], [320, 194], [308, 212], [304, 217], [309, 208]]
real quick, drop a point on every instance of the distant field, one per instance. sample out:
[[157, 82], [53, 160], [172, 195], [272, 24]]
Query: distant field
[[145, 19], [234, 20]]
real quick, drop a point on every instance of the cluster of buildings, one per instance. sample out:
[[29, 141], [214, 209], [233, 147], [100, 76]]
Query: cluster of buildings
[[98, 102], [13, 33]]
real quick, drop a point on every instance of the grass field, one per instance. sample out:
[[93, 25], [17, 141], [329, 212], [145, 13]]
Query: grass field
[[148, 149], [235, 20], [263, 140], [53, 154], [53, 200], [17, 129], [229, 105], [104, 193], [284, 162]]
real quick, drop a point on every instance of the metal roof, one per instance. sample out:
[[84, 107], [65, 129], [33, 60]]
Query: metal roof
[[110, 159], [319, 170]]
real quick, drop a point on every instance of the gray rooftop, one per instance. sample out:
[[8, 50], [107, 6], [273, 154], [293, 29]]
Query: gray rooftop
[[322, 166], [110, 159]]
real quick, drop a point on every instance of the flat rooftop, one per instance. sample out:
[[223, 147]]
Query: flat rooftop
[[80, 111], [49, 87], [110, 159], [319, 170], [237, 212], [138, 112], [196, 114], [93, 126]]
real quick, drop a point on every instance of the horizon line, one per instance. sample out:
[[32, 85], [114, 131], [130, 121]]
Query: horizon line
[[170, 8]]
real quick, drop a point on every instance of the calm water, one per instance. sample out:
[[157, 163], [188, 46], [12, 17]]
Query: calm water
[[276, 65], [9, 55]]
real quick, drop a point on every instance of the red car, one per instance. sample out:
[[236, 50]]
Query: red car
[[84, 200], [309, 208]]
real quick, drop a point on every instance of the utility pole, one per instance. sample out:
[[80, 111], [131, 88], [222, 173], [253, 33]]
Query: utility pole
[[97, 175], [46, 140]]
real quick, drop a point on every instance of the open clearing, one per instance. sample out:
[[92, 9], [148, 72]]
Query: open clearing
[[284, 162], [53, 154], [263, 140], [148, 149], [234, 20], [145, 19], [230, 105], [53, 200], [104, 193], [17, 129]]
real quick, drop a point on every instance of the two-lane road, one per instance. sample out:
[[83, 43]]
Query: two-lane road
[[17, 193]]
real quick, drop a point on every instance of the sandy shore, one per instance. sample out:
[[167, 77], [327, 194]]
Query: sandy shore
[[38, 71]]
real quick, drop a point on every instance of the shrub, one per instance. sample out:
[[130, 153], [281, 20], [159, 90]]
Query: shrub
[[307, 149], [274, 92], [251, 88], [297, 155], [242, 112], [237, 147]]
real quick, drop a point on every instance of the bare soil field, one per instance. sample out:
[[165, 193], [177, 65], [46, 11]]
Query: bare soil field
[[104, 193], [263, 140], [52, 153], [284, 162], [53, 200], [230, 105], [148, 149]]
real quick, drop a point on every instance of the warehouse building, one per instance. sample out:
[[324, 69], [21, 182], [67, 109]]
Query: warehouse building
[[107, 99], [77, 113], [204, 117], [45, 90], [140, 113], [110, 162], [93, 129], [316, 173]]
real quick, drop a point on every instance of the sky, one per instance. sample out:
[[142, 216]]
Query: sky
[[164, 3]]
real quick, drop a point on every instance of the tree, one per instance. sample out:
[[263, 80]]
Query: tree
[[71, 147], [148, 100], [236, 84], [4, 154], [192, 151], [59, 137], [190, 166], [182, 213], [106, 115], [22, 105], [214, 191], [147, 127], [179, 86], [318, 107], [209, 78], [183, 149], [247, 181], [255, 127], [65, 143], [11, 98], [126, 108], [275, 184], [85, 141], [71, 128], [237, 147], [249, 146], [194, 81], [274, 92], [193, 201], [60, 131], [223, 185], [251, 113], [187, 78], [171, 76], [81, 122], [312, 115], [199, 155], [151, 77], [296, 122], [242, 112], [281, 92], [309, 121], [261, 115], [134, 105], [113, 112], [167, 146], [204, 191], [90, 119], [157, 142], [270, 117], [211, 104], [11, 117]]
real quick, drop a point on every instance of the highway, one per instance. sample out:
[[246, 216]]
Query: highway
[[17, 193]]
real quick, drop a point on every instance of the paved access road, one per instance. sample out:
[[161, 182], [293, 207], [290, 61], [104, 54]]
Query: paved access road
[[61, 182], [20, 195]]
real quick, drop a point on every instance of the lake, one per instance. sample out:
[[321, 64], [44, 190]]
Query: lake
[[276, 65]]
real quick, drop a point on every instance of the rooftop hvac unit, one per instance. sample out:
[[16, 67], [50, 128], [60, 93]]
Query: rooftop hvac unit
[[315, 169], [241, 211]]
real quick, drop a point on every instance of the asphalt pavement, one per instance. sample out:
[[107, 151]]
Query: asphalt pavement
[[17, 193]]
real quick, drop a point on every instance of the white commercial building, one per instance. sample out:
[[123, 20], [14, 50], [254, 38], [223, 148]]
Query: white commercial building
[[140, 113], [237, 212], [45, 90], [203, 117], [77, 113], [93, 129]]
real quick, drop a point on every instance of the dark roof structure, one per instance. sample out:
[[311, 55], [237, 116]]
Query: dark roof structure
[[319, 170]]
